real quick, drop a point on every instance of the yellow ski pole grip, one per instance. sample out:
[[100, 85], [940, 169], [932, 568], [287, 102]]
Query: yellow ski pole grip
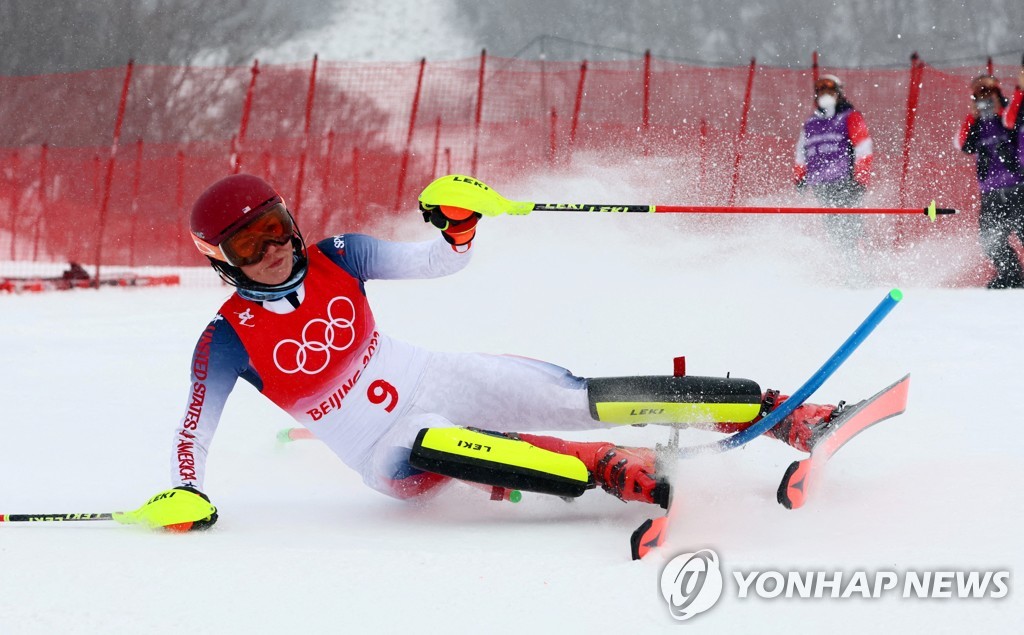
[[169, 508]]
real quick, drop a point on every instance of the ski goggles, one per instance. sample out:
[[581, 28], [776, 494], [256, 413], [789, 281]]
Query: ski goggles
[[983, 92], [249, 244], [823, 85]]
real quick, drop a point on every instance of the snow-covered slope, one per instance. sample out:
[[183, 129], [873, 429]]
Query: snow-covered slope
[[93, 382]]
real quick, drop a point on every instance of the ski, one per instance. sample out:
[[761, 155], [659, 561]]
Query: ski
[[850, 422], [651, 533], [792, 492]]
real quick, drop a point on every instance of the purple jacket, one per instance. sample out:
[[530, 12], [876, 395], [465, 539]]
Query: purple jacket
[[998, 165], [827, 149]]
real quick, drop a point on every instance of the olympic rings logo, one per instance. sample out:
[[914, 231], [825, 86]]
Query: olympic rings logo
[[319, 336]]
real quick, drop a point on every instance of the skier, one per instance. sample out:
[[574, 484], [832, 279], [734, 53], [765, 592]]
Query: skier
[[834, 153], [299, 328], [1000, 177]]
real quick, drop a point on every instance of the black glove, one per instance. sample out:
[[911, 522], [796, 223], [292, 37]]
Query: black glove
[[205, 523], [457, 225], [180, 509]]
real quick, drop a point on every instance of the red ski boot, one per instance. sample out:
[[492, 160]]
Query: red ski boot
[[804, 426], [630, 474]]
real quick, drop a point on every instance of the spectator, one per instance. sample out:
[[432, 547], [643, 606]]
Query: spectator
[[75, 271], [833, 157], [1013, 116], [1000, 178], [75, 276]]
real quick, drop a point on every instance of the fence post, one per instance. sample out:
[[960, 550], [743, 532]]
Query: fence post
[[179, 203], [16, 200], [646, 117], [134, 209], [408, 137], [553, 141], [109, 179], [543, 74], [913, 94], [97, 180], [437, 148], [355, 181], [742, 132], [576, 107], [243, 125], [325, 184], [479, 110], [702, 144], [301, 178], [42, 201]]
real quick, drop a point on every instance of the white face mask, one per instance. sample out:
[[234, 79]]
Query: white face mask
[[986, 108], [827, 102]]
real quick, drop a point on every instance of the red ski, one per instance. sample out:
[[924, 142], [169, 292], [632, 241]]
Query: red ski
[[854, 419], [649, 535]]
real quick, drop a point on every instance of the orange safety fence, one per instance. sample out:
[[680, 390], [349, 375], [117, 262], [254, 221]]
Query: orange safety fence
[[101, 167]]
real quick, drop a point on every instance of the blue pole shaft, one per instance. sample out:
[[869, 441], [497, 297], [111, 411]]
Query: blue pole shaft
[[804, 392]]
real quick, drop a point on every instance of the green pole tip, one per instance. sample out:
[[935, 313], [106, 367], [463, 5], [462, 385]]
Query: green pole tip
[[283, 436], [896, 295], [515, 496]]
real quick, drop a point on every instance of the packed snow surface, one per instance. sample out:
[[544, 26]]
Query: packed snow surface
[[95, 381]]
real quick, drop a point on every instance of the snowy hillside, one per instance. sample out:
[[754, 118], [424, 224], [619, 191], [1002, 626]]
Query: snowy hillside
[[371, 31], [94, 382]]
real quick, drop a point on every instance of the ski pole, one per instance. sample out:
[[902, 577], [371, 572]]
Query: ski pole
[[807, 389], [467, 192], [187, 507], [22, 518], [125, 518], [931, 211]]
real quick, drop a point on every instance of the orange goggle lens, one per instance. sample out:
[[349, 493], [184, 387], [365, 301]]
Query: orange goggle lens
[[248, 245], [825, 84]]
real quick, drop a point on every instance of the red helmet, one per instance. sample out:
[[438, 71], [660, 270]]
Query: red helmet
[[229, 205]]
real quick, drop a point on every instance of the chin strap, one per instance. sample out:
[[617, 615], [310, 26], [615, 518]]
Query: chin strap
[[269, 296], [255, 292]]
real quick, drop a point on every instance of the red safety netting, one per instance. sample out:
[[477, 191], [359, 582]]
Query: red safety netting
[[349, 144]]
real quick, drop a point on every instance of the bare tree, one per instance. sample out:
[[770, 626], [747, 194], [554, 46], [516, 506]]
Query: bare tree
[[851, 33], [39, 37], [166, 38]]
